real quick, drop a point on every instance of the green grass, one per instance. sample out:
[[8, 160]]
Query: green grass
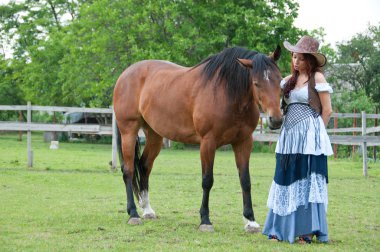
[[71, 201]]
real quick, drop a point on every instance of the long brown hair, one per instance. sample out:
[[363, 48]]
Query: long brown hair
[[311, 67]]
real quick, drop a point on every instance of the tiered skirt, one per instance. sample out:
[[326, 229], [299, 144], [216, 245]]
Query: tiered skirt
[[298, 195]]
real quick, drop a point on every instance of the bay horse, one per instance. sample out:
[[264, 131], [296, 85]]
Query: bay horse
[[214, 103]]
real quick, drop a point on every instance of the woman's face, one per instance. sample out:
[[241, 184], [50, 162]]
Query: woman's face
[[299, 62]]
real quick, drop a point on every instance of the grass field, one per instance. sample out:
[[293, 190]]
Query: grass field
[[71, 201]]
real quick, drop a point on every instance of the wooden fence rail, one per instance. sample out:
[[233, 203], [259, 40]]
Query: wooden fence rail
[[260, 134]]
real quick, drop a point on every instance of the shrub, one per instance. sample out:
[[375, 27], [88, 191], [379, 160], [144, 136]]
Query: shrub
[[177, 146]]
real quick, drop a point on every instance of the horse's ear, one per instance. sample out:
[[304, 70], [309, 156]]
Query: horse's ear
[[276, 54], [245, 62]]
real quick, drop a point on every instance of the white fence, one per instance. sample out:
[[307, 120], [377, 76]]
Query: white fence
[[30, 126], [259, 135]]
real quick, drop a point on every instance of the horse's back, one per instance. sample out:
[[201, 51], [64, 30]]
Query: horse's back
[[137, 73], [140, 77]]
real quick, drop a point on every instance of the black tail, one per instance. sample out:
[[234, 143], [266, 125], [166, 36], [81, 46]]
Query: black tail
[[139, 169], [119, 150]]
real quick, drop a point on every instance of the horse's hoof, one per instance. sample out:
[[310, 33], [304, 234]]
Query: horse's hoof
[[134, 221], [252, 227], [149, 216], [206, 228]]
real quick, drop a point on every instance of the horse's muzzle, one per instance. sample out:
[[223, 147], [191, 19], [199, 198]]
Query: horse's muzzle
[[275, 122]]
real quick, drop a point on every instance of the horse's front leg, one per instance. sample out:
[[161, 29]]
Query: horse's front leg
[[207, 149], [242, 152]]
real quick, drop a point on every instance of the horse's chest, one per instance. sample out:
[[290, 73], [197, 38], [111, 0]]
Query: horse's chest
[[237, 126]]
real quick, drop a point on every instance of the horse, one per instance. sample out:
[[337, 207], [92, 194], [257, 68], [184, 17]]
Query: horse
[[214, 103]]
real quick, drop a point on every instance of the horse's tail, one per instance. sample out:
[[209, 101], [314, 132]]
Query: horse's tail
[[139, 169], [119, 150], [139, 173]]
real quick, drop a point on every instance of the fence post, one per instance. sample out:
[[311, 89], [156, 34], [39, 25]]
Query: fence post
[[364, 144], [29, 135], [20, 120], [374, 147], [354, 134], [261, 128], [335, 127], [114, 141], [166, 143]]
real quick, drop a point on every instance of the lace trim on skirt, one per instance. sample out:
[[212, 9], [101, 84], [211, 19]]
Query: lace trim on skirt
[[284, 200]]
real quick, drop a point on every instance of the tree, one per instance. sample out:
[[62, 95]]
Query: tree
[[109, 36], [41, 83], [76, 63], [28, 22], [29, 26], [10, 91], [358, 63]]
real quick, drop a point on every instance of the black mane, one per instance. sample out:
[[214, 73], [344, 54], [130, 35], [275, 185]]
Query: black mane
[[235, 78]]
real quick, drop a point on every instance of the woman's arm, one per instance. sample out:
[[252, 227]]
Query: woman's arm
[[326, 106], [283, 81], [325, 99]]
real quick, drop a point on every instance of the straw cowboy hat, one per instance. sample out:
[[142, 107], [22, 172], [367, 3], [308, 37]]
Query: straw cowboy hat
[[308, 45]]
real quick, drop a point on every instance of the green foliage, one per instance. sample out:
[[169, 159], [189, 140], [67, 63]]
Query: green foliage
[[76, 61], [110, 36], [63, 137], [41, 83], [263, 147], [258, 147], [177, 145], [350, 102], [27, 23], [358, 64], [347, 101], [10, 89], [47, 117], [356, 80], [34, 30]]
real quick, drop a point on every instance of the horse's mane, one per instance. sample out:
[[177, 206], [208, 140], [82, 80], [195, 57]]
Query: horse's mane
[[235, 78]]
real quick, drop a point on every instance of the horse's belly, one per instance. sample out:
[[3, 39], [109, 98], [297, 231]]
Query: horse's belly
[[174, 128], [169, 119]]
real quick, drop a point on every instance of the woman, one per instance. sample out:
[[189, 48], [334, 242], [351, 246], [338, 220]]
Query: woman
[[297, 199]]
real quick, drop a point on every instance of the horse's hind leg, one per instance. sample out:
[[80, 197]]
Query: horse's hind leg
[[128, 143], [242, 152], [151, 150]]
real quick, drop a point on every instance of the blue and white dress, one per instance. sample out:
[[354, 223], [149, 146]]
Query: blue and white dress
[[298, 198]]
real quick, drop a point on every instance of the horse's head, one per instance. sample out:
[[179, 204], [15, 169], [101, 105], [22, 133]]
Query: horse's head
[[266, 78]]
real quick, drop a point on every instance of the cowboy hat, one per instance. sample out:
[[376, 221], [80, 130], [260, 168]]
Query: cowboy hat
[[308, 45]]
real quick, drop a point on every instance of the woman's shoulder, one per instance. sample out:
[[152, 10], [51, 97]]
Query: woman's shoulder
[[287, 78], [320, 78], [284, 80], [321, 85]]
